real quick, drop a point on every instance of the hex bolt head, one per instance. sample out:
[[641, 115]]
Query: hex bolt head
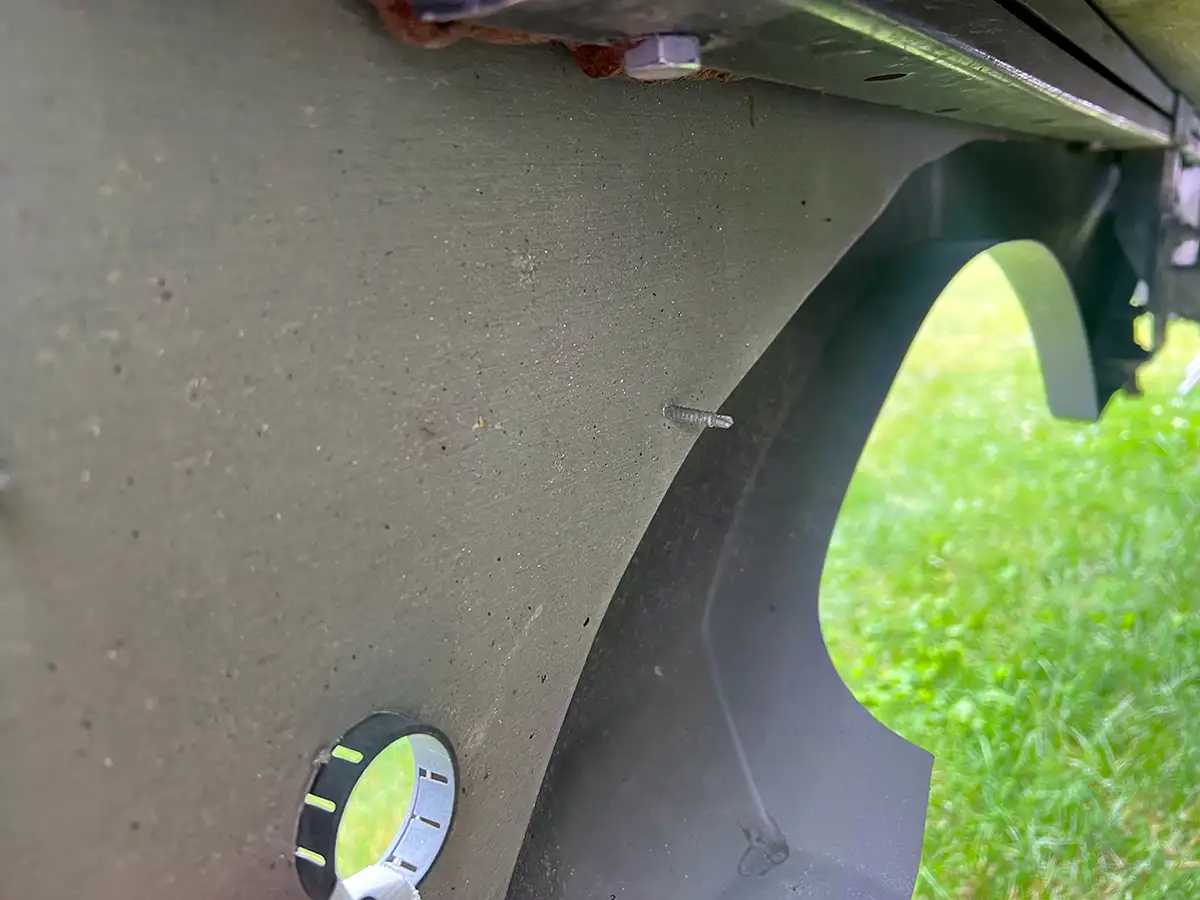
[[661, 57]]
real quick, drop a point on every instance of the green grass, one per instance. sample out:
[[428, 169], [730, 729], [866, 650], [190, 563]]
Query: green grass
[[1019, 596]]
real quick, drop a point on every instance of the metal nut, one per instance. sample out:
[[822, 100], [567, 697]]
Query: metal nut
[[660, 57]]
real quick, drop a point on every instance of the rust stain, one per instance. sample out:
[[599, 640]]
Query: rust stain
[[594, 60], [598, 61]]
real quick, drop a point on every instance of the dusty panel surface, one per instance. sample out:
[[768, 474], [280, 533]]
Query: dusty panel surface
[[330, 380], [1167, 32]]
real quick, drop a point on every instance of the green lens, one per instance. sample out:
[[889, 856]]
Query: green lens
[[377, 809]]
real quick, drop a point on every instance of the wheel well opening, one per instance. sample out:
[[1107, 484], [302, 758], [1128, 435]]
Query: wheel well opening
[[1003, 588]]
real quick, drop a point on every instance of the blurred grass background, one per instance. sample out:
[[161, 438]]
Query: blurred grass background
[[1019, 596]]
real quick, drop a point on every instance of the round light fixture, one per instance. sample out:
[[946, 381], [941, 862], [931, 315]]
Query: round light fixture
[[382, 797]]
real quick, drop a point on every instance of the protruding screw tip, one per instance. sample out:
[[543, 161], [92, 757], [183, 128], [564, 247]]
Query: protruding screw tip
[[686, 415]]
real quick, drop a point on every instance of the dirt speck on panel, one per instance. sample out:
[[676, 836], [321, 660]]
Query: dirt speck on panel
[[197, 390]]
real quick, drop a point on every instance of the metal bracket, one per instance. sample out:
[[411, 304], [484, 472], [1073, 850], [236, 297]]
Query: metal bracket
[[1173, 278], [930, 58], [1187, 131], [452, 10]]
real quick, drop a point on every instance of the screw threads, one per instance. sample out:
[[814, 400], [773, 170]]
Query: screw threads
[[686, 415]]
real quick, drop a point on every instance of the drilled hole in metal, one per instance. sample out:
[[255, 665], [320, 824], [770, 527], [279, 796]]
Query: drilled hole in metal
[[319, 803], [311, 855], [347, 753]]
